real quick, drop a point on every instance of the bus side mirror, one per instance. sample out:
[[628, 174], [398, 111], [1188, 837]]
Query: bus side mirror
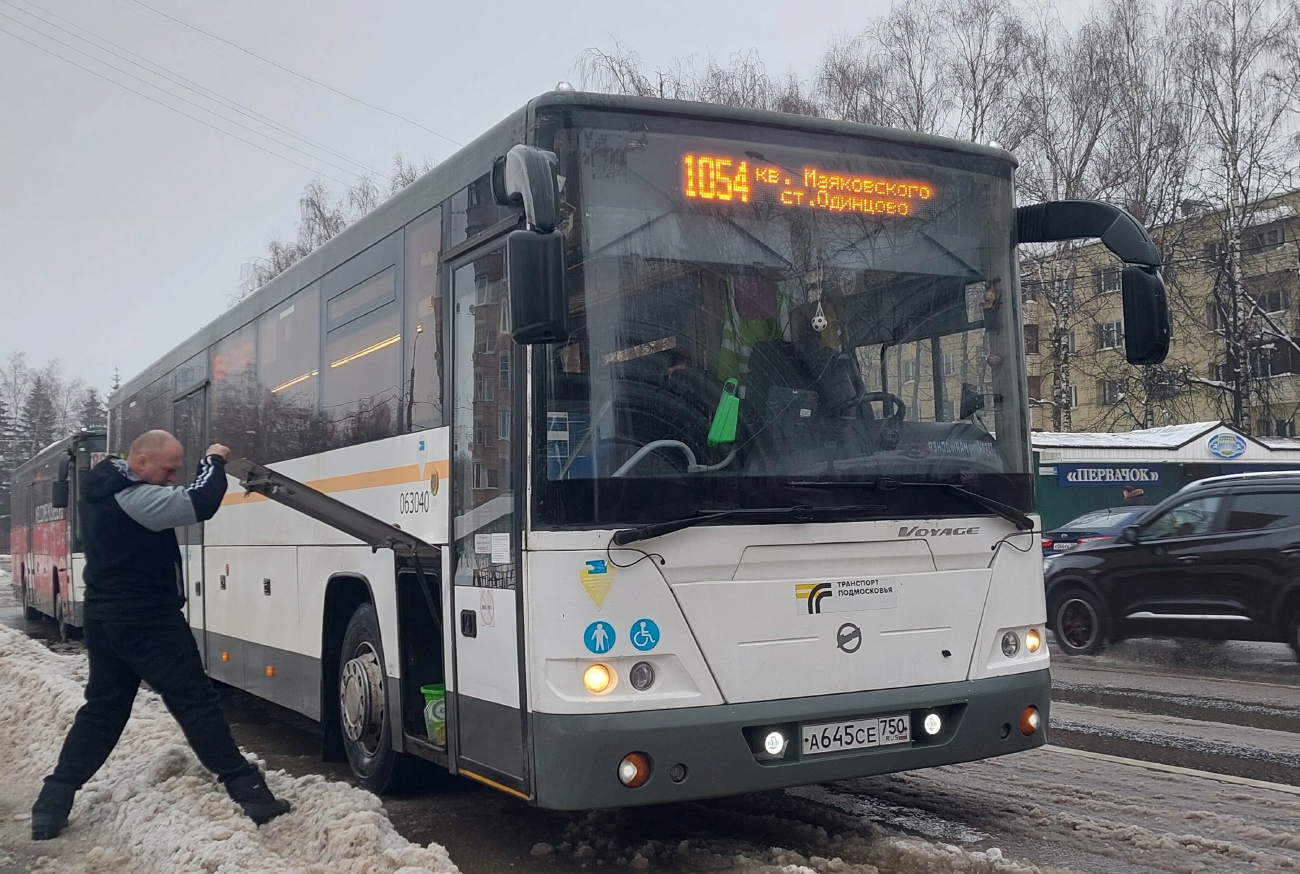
[[1146, 308], [59, 492], [1146, 315], [527, 176], [539, 303]]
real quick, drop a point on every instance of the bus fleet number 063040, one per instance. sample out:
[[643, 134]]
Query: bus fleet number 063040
[[414, 502], [830, 737]]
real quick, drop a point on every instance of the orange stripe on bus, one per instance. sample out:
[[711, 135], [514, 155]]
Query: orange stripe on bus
[[370, 479]]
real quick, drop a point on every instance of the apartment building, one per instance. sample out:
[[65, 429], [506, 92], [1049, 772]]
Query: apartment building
[[1235, 351]]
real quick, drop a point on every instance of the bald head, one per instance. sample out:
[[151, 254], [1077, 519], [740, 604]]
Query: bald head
[[156, 457]]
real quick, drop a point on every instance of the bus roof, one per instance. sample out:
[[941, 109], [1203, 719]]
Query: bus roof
[[55, 449], [466, 164]]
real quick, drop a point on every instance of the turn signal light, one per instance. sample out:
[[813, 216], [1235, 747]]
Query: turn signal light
[[1030, 721], [1033, 640], [598, 679], [270, 671], [225, 656], [634, 770]]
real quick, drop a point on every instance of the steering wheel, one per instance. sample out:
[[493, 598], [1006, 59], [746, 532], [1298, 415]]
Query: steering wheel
[[892, 406]]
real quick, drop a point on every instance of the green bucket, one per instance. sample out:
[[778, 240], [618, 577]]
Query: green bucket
[[435, 713]]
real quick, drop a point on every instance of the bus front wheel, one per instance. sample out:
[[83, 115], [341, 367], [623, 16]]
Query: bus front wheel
[[363, 703]]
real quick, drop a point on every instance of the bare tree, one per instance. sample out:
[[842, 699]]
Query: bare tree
[[916, 88], [1064, 101], [984, 54], [850, 83], [618, 71], [1245, 87], [404, 174]]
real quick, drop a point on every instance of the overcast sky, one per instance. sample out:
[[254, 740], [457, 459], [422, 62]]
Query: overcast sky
[[125, 224]]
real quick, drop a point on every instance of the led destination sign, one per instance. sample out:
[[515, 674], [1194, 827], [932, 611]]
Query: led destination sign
[[725, 179]]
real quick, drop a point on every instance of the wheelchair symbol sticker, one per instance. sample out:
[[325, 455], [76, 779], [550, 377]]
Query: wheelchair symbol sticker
[[644, 634], [599, 637]]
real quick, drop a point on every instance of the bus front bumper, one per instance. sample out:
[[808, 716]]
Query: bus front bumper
[[720, 749]]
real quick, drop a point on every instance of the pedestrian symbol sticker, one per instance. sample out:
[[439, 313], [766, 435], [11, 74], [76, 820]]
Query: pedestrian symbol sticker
[[645, 634], [599, 637]]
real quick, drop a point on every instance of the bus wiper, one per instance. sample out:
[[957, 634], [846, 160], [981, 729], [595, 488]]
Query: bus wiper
[[888, 484], [800, 514], [625, 536]]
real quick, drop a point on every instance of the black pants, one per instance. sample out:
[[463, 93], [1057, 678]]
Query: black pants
[[162, 652]]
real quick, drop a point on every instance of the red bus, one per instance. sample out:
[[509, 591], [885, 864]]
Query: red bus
[[43, 540]]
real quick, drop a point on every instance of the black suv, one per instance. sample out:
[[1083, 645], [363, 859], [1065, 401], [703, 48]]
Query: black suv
[[1219, 560]]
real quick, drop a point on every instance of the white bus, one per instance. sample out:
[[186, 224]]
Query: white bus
[[687, 447]]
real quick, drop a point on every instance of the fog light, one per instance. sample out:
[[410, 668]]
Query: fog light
[[1033, 640], [642, 676], [598, 679], [774, 743], [1010, 644], [932, 724], [634, 770], [1030, 720]]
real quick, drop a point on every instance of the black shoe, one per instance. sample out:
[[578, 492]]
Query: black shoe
[[50, 812], [251, 793]]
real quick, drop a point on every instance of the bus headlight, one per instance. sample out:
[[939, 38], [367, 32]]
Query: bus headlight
[[598, 679], [1010, 644], [1033, 640]]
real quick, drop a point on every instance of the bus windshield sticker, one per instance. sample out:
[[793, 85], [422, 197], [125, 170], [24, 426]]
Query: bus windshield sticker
[[597, 578], [846, 596]]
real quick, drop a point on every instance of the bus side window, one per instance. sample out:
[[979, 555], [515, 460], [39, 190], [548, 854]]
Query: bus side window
[[363, 361], [234, 419], [288, 368], [422, 371], [132, 414]]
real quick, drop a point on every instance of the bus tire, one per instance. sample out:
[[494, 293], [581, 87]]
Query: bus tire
[[64, 630], [29, 612], [363, 704]]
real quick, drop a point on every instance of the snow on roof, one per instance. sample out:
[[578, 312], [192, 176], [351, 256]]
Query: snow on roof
[[1280, 442], [1270, 215], [1166, 437]]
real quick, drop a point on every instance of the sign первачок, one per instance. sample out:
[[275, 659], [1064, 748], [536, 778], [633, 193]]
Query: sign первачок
[[1116, 475]]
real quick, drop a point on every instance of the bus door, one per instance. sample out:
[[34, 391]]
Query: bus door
[[189, 415], [29, 558], [487, 711]]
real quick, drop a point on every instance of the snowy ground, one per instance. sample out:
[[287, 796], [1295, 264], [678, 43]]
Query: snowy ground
[[1050, 811], [153, 808]]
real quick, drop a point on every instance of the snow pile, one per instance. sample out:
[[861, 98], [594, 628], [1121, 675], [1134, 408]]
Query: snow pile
[[154, 808]]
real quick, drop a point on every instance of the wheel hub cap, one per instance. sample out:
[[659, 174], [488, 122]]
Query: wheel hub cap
[[361, 696]]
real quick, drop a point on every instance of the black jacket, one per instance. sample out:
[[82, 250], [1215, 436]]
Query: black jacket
[[133, 563]]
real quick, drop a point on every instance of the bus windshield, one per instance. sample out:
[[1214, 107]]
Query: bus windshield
[[785, 322]]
